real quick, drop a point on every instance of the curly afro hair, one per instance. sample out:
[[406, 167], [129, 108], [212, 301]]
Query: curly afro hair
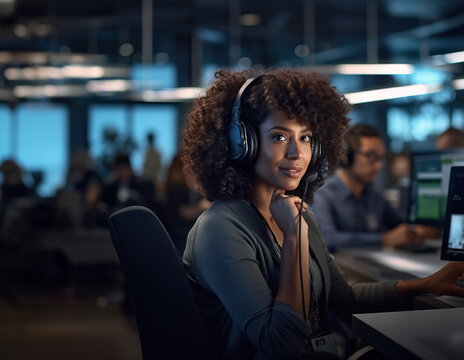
[[299, 94]]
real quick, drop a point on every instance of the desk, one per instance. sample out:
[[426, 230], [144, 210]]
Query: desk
[[364, 264], [421, 334]]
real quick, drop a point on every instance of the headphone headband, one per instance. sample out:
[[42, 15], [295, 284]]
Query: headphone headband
[[243, 141], [236, 110]]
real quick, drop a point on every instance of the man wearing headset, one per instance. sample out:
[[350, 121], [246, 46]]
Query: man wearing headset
[[350, 211]]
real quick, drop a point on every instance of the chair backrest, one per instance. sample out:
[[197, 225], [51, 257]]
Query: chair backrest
[[169, 324]]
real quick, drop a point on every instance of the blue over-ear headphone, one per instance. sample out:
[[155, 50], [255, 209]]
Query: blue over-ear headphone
[[243, 140]]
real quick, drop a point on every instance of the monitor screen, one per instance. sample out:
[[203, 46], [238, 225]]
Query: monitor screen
[[453, 226], [430, 173]]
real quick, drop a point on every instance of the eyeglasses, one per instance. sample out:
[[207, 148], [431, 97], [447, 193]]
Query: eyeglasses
[[372, 157]]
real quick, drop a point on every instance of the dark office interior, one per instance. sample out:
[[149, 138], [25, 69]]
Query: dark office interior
[[95, 91]]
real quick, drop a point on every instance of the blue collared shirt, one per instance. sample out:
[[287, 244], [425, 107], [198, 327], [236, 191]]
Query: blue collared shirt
[[347, 221]]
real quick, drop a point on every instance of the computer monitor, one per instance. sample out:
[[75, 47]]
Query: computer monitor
[[430, 173], [453, 226]]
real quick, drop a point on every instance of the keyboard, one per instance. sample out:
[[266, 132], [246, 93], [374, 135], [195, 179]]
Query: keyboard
[[455, 301], [385, 272], [417, 248]]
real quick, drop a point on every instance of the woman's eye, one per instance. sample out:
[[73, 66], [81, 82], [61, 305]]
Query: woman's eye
[[279, 137], [306, 138]]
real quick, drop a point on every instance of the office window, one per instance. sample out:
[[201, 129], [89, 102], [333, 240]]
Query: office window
[[421, 126], [398, 128], [458, 119], [161, 120], [154, 76], [43, 143], [6, 120], [130, 126], [430, 120], [207, 74]]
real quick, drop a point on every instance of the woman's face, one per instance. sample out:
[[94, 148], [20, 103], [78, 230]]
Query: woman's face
[[284, 151]]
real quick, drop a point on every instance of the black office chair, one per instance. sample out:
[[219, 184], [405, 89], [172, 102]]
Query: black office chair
[[168, 321]]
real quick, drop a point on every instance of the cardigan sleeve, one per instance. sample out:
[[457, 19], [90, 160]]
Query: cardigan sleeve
[[224, 259], [345, 299]]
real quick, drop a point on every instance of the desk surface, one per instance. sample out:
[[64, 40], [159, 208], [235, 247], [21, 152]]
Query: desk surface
[[420, 334], [363, 264]]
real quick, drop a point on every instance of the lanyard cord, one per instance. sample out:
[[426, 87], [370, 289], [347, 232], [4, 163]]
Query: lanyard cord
[[300, 213], [315, 315]]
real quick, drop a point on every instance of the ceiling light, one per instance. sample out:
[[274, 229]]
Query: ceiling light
[[451, 58], [170, 95], [87, 72], [42, 29], [458, 84], [302, 50], [244, 62], [161, 58], [65, 72], [37, 58], [25, 91], [365, 69], [21, 30], [126, 49], [250, 19], [392, 93], [96, 86]]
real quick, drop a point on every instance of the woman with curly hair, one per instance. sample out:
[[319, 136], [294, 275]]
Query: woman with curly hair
[[259, 269]]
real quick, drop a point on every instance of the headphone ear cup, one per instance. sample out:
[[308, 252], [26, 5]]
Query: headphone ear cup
[[243, 142], [252, 141], [315, 154], [237, 141], [350, 157], [315, 151]]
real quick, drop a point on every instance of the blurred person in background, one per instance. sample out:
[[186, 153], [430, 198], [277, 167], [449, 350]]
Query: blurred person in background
[[372, 221], [13, 186], [123, 188], [84, 181], [398, 183], [152, 161], [183, 203], [451, 138], [81, 173], [399, 169]]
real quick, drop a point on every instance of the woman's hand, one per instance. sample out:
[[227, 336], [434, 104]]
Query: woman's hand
[[284, 209], [443, 282]]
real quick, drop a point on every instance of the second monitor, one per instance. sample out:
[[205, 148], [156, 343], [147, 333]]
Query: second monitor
[[453, 227], [430, 173]]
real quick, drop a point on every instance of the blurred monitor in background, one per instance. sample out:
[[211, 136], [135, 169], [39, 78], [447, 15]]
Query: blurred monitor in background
[[430, 174]]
